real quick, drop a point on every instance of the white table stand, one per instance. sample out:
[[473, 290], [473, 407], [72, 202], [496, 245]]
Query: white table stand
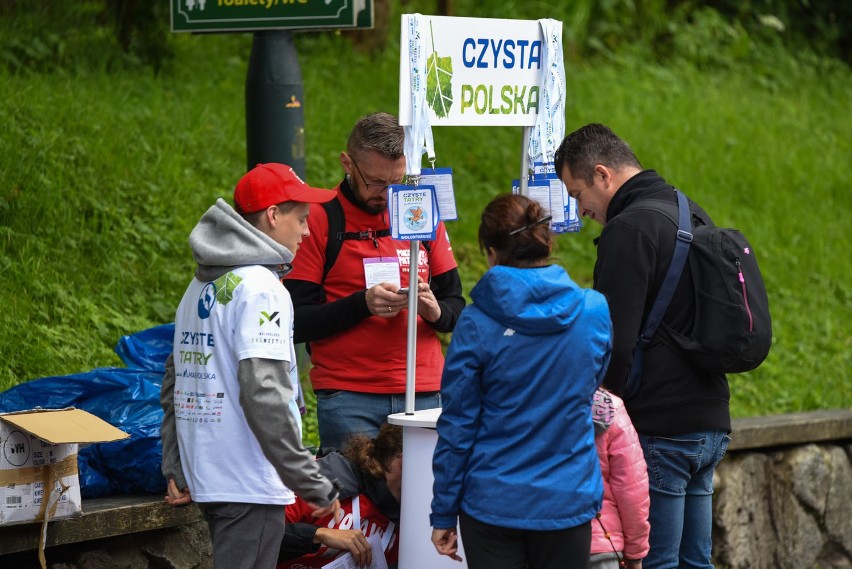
[[418, 442]]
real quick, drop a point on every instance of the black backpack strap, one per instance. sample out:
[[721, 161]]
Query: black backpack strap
[[364, 235], [336, 225], [337, 235], [664, 296]]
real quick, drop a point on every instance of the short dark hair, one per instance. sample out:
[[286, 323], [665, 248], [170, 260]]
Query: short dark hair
[[378, 132], [502, 219], [590, 145], [254, 217]]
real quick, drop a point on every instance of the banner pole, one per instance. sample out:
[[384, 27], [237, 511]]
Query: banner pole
[[411, 356], [525, 161]]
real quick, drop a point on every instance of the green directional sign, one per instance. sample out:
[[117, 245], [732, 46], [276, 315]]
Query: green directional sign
[[253, 15]]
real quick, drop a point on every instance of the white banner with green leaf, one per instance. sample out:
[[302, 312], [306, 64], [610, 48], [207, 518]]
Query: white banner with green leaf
[[479, 71]]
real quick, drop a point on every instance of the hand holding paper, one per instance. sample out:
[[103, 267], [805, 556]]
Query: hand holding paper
[[377, 561]]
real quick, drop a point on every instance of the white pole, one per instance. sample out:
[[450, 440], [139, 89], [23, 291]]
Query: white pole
[[411, 356], [525, 160]]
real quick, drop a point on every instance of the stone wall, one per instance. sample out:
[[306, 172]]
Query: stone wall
[[183, 547], [786, 507], [783, 500]]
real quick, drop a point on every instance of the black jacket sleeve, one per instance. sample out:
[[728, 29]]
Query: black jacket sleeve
[[624, 273], [298, 540], [447, 289], [315, 320]]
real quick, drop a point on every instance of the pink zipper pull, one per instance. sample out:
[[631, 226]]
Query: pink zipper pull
[[745, 293]]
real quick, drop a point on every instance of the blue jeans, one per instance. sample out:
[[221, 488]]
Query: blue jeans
[[680, 477], [341, 414]]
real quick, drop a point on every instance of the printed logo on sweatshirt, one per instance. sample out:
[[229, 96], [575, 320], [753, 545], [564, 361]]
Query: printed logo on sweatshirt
[[509, 332], [206, 301], [267, 317], [221, 290]]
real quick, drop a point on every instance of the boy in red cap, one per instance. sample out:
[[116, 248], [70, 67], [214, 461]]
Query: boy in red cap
[[231, 427]]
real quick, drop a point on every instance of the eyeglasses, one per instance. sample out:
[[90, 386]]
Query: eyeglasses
[[370, 187]]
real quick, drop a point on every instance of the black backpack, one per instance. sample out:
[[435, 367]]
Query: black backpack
[[732, 331]]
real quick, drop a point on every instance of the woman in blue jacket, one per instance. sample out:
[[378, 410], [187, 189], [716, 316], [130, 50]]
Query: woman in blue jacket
[[515, 462]]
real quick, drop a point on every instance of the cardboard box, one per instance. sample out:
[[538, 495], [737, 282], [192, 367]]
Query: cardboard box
[[38, 462]]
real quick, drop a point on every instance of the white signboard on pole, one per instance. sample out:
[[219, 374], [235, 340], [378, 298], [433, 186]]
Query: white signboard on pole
[[479, 71]]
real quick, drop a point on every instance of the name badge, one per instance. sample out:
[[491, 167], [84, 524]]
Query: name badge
[[381, 270]]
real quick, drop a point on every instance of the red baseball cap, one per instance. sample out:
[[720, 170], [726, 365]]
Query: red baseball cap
[[272, 183]]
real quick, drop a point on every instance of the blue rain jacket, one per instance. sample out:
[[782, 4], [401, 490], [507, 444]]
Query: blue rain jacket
[[516, 444]]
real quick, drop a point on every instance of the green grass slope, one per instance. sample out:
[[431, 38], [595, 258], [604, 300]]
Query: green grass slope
[[105, 168]]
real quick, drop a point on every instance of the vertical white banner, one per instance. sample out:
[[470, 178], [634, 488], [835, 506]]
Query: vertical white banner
[[549, 128]]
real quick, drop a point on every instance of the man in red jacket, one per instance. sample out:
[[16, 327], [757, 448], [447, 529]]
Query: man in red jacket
[[355, 316]]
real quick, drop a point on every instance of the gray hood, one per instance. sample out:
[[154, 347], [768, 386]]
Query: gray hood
[[223, 240]]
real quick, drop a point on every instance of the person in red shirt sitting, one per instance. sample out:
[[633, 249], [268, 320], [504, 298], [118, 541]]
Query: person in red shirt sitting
[[369, 473]]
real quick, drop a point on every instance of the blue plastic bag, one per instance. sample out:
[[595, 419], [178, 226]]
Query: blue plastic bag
[[127, 398], [147, 349]]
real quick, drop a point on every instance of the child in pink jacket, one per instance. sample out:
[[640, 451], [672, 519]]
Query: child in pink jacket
[[622, 528]]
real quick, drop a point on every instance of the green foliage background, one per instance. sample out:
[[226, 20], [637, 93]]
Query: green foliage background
[[110, 151]]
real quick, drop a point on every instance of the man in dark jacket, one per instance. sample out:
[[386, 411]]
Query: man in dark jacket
[[681, 411]]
